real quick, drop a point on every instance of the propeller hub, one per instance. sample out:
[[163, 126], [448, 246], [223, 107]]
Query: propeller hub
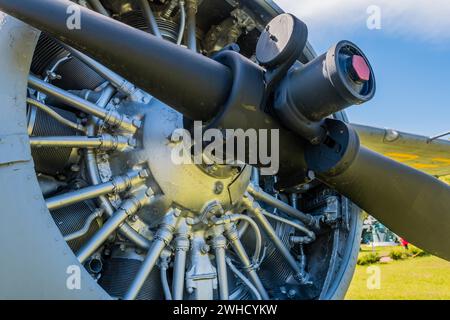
[[174, 173]]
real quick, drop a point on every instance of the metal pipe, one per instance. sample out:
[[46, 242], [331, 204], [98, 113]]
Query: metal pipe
[[162, 239], [123, 86], [77, 234], [165, 284], [116, 185], [93, 174], [55, 115], [103, 142], [311, 235], [109, 116], [233, 236], [259, 194], [148, 13], [258, 238], [182, 22], [182, 245], [97, 6], [146, 268], [192, 8], [247, 282], [127, 209], [242, 228], [255, 209], [52, 72], [255, 176], [163, 266], [219, 244]]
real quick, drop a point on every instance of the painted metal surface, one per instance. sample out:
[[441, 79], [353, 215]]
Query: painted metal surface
[[419, 152]]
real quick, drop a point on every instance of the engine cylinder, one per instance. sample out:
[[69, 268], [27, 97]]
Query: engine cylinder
[[51, 161], [72, 218], [121, 269]]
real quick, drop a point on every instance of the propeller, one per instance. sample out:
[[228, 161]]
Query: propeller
[[409, 202]]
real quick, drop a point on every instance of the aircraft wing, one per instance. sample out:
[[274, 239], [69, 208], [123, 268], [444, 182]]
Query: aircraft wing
[[422, 153]]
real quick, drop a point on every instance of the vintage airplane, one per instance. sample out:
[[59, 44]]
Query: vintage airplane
[[94, 208]]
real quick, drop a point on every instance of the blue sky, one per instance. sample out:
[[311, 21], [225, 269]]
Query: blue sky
[[410, 55]]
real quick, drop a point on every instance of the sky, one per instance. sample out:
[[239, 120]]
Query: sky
[[408, 44]]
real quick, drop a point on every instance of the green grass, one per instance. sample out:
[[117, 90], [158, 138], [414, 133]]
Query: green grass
[[413, 278]]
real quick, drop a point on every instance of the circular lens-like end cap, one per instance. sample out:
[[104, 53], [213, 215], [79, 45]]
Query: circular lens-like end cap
[[351, 73], [284, 37]]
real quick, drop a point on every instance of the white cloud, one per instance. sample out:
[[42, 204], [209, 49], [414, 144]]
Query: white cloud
[[424, 19]]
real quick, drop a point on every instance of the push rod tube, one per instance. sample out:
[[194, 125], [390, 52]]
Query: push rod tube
[[110, 117], [233, 236], [128, 208], [182, 244], [256, 210], [123, 86], [219, 244], [56, 115], [260, 194], [145, 6], [104, 142], [97, 6], [118, 184], [162, 238]]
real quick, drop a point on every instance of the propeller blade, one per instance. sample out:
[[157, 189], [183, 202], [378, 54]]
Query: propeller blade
[[189, 82], [414, 205]]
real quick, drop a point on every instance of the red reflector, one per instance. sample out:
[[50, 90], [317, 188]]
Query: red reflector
[[361, 68]]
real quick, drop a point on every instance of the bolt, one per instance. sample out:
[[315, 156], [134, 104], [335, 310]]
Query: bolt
[[205, 249], [134, 218], [149, 192], [291, 294], [177, 213], [144, 174], [137, 123], [75, 168], [145, 99], [218, 187], [53, 76], [132, 142]]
